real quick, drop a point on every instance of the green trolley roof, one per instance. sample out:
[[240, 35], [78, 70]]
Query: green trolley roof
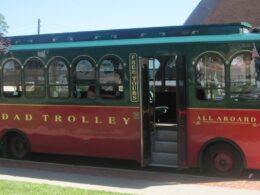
[[139, 36]]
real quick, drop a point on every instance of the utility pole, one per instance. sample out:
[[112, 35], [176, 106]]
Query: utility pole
[[39, 26]]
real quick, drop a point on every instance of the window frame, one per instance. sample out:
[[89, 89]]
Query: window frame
[[225, 88], [119, 59], [67, 64], [21, 78], [74, 85], [44, 76], [235, 55]]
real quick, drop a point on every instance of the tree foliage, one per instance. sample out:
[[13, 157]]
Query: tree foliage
[[4, 43], [3, 25]]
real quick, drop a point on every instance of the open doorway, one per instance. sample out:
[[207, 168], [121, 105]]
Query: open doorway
[[162, 88], [164, 98]]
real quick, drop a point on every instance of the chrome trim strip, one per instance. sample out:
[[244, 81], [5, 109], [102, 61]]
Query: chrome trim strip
[[140, 65]]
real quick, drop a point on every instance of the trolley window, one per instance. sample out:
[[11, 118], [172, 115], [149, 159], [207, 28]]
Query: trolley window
[[210, 78], [155, 77], [111, 78], [58, 79], [245, 77], [84, 78], [34, 79], [12, 79], [170, 73]]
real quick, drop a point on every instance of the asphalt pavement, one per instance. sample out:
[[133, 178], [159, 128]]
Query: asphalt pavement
[[121, 180]]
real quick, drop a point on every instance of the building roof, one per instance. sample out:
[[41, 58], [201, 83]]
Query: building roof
[[226, 11]]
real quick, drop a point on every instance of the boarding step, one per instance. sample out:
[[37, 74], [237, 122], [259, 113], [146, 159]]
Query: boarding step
[[164, 159], [166, 135], [165, 146], [166, 126], [162, 165]]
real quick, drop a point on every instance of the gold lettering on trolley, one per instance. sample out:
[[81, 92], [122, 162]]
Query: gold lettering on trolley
[[239, 119], [245, 120], [28, 117], [198, 118], [204, 118], [17, 117], [232, 119], [253, 119], [97, 120], [219, 119], [225, 119], [58, 118], [84, 120], [45, 117], [126, 120], [4, 116], [133, 66], [111, 120], [71, 119]]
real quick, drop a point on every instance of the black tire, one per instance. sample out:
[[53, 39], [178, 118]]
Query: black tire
[[222, 160], [18, 147]]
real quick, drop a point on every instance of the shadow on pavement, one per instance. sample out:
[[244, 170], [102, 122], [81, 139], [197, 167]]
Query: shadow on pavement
[[115, 173]]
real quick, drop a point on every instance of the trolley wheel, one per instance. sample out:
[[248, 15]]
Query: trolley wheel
[[222, 160], [18, 147]]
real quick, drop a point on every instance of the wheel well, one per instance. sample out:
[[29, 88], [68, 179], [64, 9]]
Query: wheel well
[[11, 132], [210, 143]]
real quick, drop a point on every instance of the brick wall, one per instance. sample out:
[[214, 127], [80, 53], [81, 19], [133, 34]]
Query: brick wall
[[235, 11], [226, 11]]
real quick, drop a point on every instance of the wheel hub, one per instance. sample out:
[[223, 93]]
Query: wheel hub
[[223, 162], [18, 147]]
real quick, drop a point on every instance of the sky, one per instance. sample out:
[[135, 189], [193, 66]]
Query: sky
[[87, 15]]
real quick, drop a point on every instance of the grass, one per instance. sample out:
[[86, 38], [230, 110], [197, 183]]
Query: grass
[[23, 188]]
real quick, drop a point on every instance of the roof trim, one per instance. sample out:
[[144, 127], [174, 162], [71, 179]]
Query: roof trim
[[145, 41], [135, 33]]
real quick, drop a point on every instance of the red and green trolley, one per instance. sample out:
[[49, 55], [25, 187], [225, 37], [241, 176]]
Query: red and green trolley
[[181, 97]]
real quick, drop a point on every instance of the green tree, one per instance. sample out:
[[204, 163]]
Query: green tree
[[3, 25]]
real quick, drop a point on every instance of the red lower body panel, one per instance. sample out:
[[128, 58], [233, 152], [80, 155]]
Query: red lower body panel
[[242, 127], [112, 132]]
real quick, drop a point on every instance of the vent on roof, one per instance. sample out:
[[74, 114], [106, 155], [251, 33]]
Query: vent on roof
[[54, 39], [143, 35], [162, 34], [70, 39], [114, 36], [97, 37], [256, 30]]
